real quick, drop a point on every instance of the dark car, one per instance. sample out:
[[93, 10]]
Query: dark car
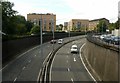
[[116, 40], [107, 39]]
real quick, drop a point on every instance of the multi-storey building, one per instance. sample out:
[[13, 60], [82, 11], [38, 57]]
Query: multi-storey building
[[78, 24], [47, 21], [93, 23]]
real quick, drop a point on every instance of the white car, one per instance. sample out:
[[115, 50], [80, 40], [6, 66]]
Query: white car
[[60, 41], [74, 49], [53, 41]]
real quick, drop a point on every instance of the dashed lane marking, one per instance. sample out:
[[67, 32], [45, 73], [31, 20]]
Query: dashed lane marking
[[23, 68], [74, 59], [68, 69], [72, 80], [15, 79]]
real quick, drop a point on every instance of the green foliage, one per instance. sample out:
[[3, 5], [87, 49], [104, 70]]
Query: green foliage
[[29, 26], [111, 26], [102, 26], [35, 30], [59, 27], [20, 29], [74, 28], [13, 24], [117, 25], [7, 14], [7, 10]]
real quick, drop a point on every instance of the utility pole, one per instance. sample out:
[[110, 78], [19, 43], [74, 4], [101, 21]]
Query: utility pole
[[69, 31], [40, 23], [52, 24]]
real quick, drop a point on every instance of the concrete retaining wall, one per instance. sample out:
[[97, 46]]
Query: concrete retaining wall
[[13, 48], [102, 62]]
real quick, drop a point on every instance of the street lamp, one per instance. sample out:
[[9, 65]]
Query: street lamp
[[40, 23], [69, 31], [52, 25]]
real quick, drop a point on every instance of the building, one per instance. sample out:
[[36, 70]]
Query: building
[[48, 20], [93, 23], [78, 25], [116, 32]]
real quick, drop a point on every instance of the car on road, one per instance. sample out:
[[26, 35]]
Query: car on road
[[53, 41], [60, 41], [74, 49], [116, 40]]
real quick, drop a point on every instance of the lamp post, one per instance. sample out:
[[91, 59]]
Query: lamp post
[[40, 23], [69, 31], [52, 25]]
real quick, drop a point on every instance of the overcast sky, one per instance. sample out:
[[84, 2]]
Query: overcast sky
[[70, 9]]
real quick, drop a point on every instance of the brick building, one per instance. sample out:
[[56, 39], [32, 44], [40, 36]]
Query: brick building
[[93, 23], [48, 20], [78, 24]]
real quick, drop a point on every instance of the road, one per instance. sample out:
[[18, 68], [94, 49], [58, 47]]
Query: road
[[27, 66], [67, 66]]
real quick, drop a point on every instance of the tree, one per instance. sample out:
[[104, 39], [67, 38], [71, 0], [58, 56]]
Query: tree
[[19, 24], [102, 26], [35, 30], [74, 28], [20, 29], [61, 26], [111, 26], [29, 26], [7, 14], [117, 25]]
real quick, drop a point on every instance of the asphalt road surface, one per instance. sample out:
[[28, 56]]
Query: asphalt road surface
[[27, 66], [67, 66]]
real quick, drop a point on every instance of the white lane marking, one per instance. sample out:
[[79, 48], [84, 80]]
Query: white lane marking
[[39, 51], [19, 56], [72, 80], [74, 59], [67, 61], [52, 65], [68, 69], [29, 61], [47, 58], [15, 79], [40, 69], [35, 55], [23, 68], [39, 76], [85, 65]]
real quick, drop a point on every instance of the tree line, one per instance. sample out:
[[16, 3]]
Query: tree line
[[13, 24]]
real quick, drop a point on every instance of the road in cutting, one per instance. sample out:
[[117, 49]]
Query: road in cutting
[[27, 66], [67, 66]]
